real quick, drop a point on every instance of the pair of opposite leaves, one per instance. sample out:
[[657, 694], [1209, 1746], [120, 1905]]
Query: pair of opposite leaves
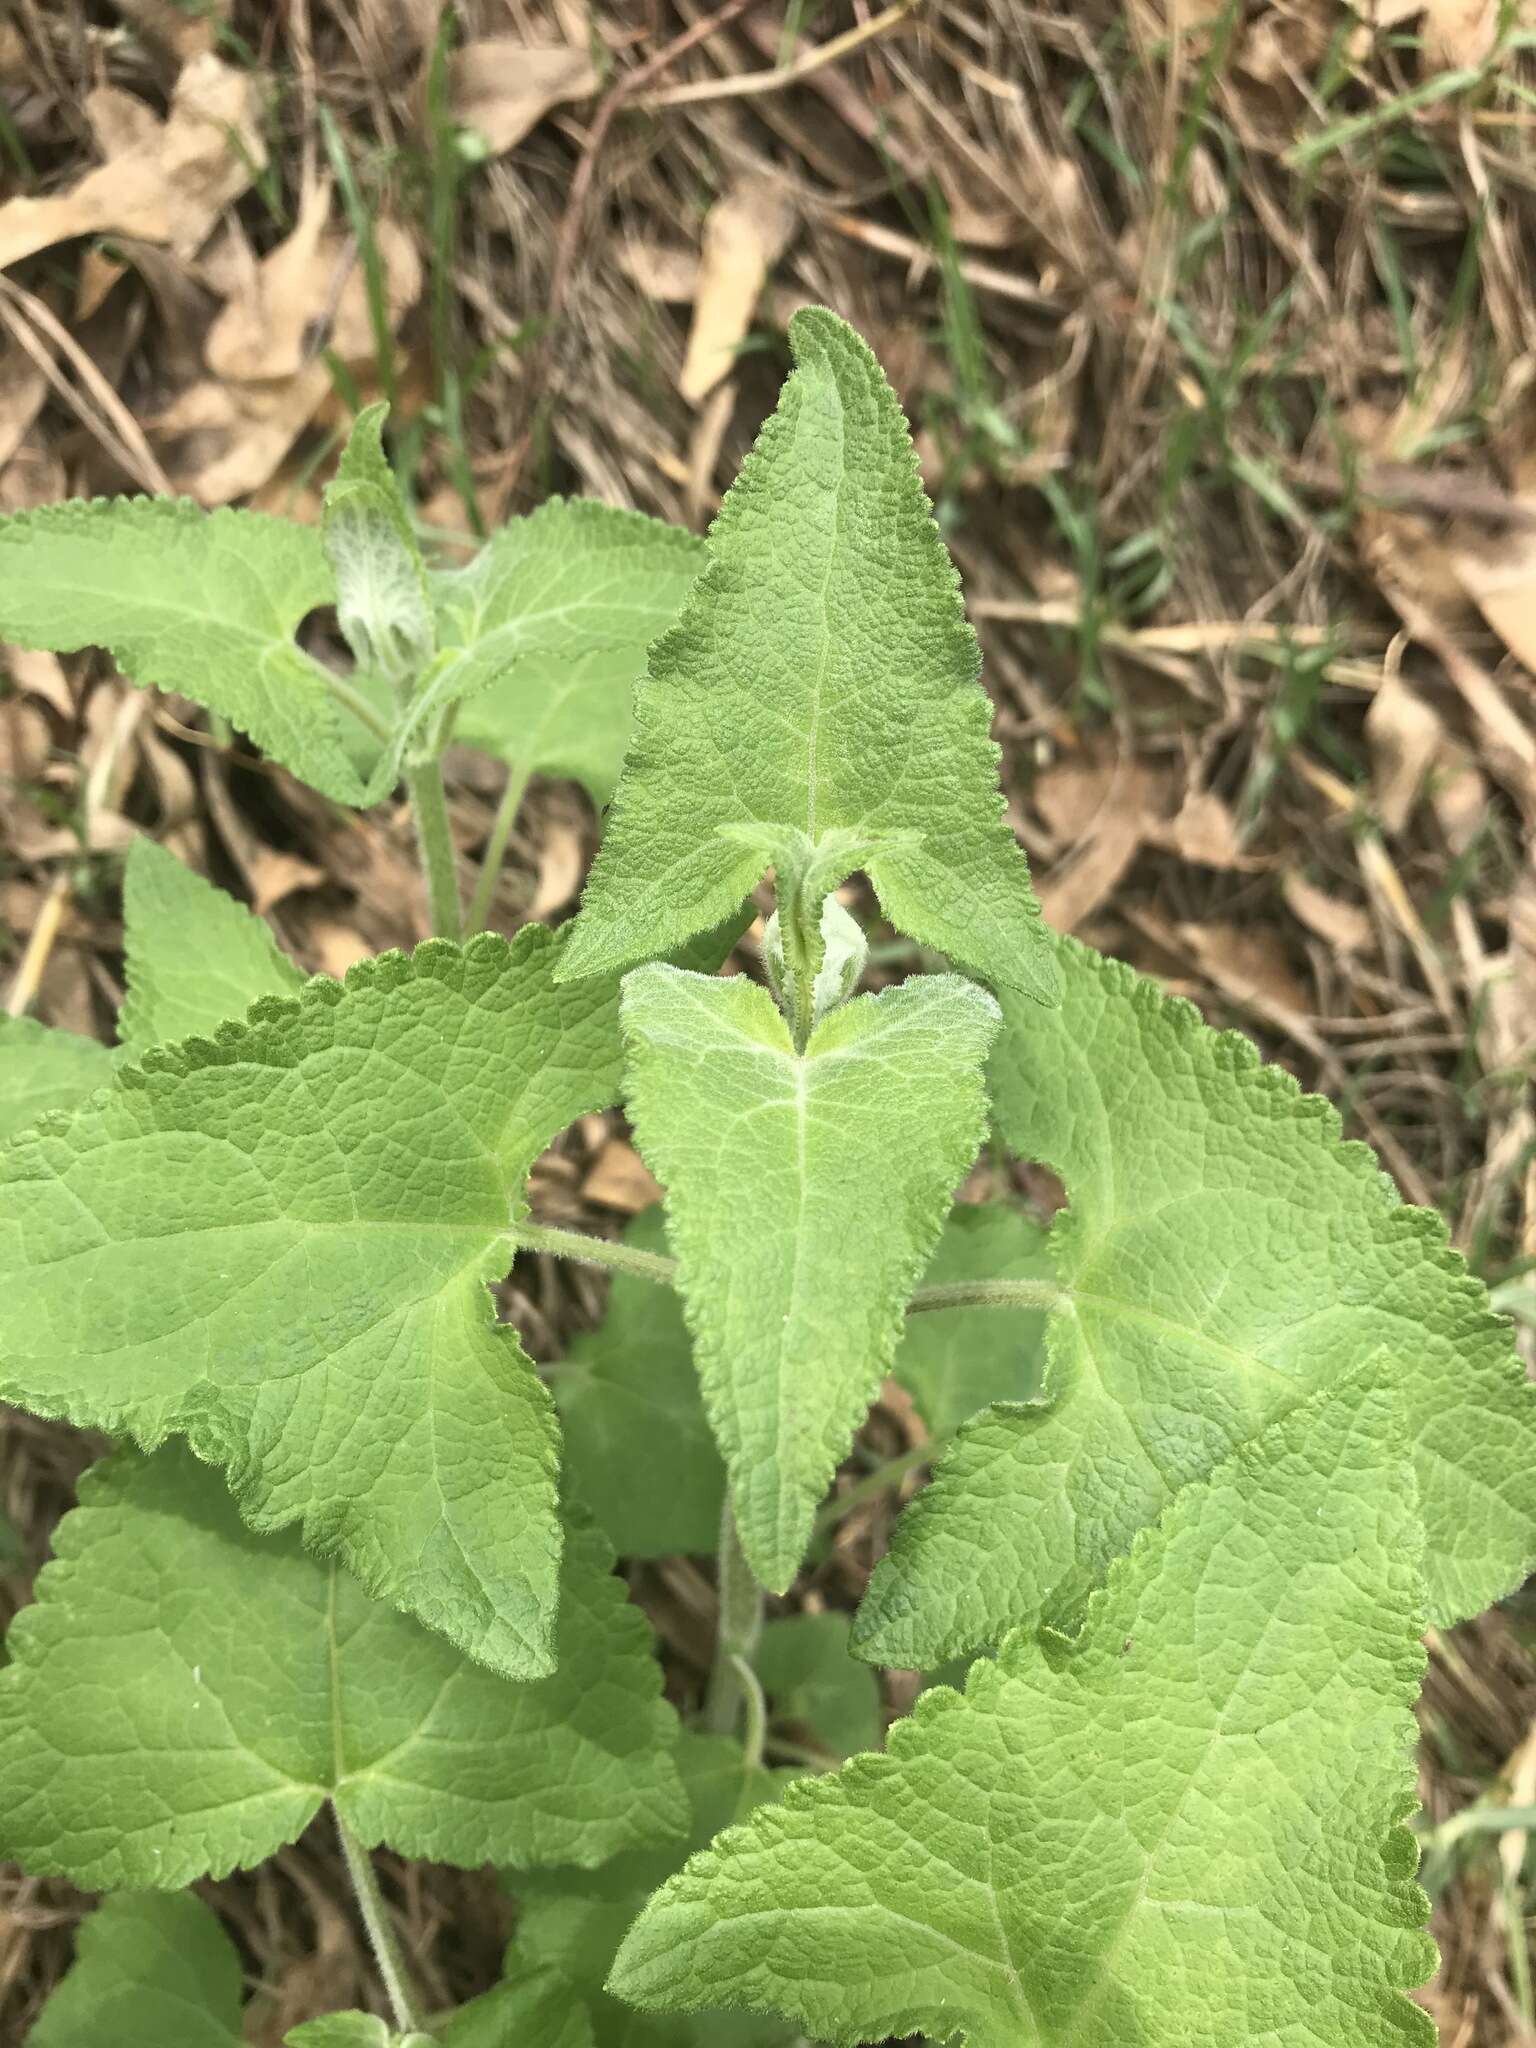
[[1181, 1829], [821, 682]]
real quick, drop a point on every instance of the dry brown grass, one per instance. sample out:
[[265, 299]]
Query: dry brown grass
[[1218, 329]]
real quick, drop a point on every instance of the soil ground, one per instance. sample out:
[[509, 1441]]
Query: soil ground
[[1215, 322]]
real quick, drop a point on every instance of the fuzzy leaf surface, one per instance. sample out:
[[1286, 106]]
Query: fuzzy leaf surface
[[195, 956], [550, 623], [1223, 1257], [148, 1971], [821, 680], [804, 1194], [184, 1695], [383, 602], [1178, 1830], [42, 1068], [637, 1443], [570, 1924], [955, 1361], [204, 603], [277, 1242]]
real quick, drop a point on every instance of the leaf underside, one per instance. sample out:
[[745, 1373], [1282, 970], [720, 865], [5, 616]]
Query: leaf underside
[[553, 618], [1224, 1256], [804, 1194], [1179, 1830], [821, 680], [184, 1695], [276, 1242], [203, 603]]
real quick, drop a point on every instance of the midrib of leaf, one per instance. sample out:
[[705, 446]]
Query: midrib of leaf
[[1138, 1898], [826, 629]]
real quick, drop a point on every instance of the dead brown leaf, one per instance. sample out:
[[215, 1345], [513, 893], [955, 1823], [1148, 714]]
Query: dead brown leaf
[[1204, 833], [1343, 926], [163, 181], [1498, 573], [1405, 736], [23, 387], [745, 233], [561, 863], [259, 335], [275, 875], [502, 87], [1459, 33], [1249, 964], [620, 1179]]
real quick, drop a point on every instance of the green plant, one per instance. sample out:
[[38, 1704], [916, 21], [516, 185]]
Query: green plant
[[1209, 1450]]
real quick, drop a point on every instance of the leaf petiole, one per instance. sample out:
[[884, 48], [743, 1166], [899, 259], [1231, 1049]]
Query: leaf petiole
[[496, 850], [381, 1936]]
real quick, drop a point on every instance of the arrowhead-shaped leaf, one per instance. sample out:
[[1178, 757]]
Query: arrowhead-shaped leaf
[[184, 1695], [550, 623], [1224, 1256], [203, 603], [195, 956], [804, 1194], [277, 1242], [821, 681], [1180, 1830], [149, 1972], [42, 1069]]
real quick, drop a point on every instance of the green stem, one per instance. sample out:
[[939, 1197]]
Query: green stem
[[737, 1629], [988, 1294], [662, 1271], [434, 840], [495, 851], [873, 1484], [381, 1936], [596, 1251]]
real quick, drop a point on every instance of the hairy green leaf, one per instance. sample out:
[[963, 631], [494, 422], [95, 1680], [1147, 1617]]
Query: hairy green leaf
[[550, 624], [1179, 1830], [821, 681], [204, 603], [806, 1670], [637, 1444], [185, 1695], [382, 598], [149, 1972], [957, 1360], [804, 1193], [277, 1242], [1223, 1257], [42, 1069], [569, 1926], [195, 956]]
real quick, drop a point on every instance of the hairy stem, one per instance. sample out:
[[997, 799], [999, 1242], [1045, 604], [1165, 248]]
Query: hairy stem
[[381, 1936], [496, 851], [597, 1251], [657, 1267], [434, 841], [739, 1625]]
